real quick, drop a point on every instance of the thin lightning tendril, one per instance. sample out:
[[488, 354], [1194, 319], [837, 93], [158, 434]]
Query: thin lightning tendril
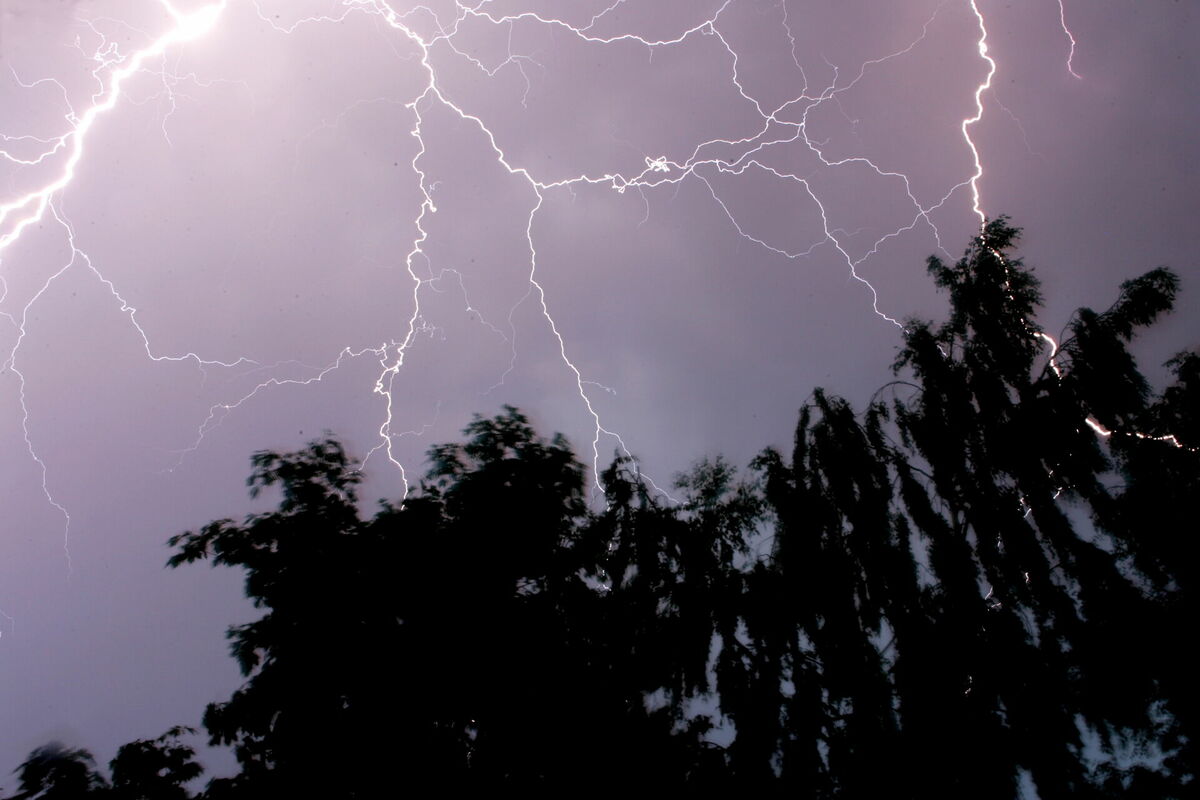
[[1062, 20]]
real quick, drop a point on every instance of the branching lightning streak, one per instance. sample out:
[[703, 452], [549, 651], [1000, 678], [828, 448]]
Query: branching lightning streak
[[187, 27], [392, 367], [646, 179], [11, 365], [113, 69]]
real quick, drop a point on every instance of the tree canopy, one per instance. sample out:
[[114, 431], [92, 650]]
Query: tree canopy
[[983, 578]]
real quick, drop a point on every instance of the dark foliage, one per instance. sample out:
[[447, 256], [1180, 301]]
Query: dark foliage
[[56, 772], [155, 769], [988, 574]]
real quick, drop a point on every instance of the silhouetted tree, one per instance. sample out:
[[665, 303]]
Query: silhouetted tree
[[942, 616], [304, 657], [999, 425], [155, 769], [846, 583], [56, 772], [965, 583], [483, 595], [669, 637]]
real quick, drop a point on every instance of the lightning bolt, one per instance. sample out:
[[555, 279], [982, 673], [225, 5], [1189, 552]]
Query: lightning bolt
[[31, 207], [779, 125]]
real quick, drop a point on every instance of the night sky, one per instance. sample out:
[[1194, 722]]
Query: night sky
[[651, 224]]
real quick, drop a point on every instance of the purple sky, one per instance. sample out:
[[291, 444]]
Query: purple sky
[[300, 211]]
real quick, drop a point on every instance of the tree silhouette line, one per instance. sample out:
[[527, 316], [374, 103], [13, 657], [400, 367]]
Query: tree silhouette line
[[963, 588]]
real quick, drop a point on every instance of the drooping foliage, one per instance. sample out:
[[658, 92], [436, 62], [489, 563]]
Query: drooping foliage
[[984, 579], [1059, 649]]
